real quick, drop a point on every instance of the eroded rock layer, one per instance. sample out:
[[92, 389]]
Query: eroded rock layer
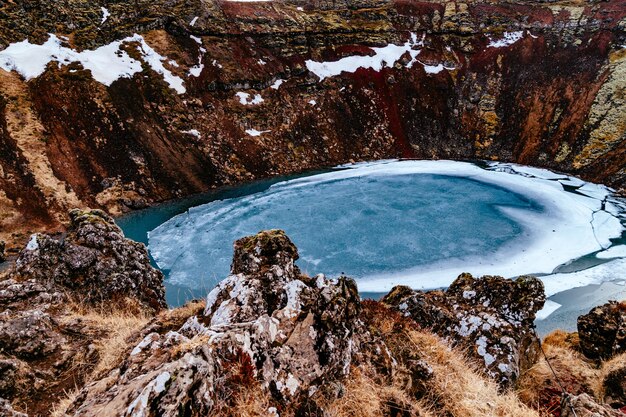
[[535, 83]]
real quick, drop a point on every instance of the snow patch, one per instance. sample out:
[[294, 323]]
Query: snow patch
[[107, 63], [193, 21], [105, 15], [192, 132], [277, 84], [383, 57], [254, 132], [509, 38], [246, 100], [32, 243]]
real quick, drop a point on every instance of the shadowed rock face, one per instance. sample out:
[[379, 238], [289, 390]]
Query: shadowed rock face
[[602, 331], [492, 317], [552, 98]]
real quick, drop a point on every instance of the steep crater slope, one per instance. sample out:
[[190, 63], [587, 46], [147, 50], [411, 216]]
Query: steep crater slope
[[226, 92]]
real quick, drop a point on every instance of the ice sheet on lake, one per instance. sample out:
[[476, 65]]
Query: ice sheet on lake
[[416, 230], [610, 271], [618, 251], [548, 308]]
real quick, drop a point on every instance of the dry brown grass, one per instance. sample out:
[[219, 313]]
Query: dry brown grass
[[607, 367], [538, 387], [366, 397], [111, 329], [458, 388], [60, 409]]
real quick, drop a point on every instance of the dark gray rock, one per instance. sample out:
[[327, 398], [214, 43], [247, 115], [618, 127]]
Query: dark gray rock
[[602, 332]]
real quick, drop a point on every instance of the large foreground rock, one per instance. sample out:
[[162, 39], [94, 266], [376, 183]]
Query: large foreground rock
[[50, 303], [602, 331], [265, 324], [491, 316], [93, 261]]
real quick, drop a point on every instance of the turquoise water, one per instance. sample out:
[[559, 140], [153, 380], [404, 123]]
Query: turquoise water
[[359, 226]]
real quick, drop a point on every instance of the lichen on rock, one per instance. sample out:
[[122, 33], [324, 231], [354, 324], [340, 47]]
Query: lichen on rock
[[94, 261], [266, 322], [492, 317]]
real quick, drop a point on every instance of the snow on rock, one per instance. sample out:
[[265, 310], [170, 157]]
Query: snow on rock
[[247, 100], [383, 57], [508, 38], [105, 15], [254, 132], [193, 21], [32, 243], [492, 317], [192, 132], [277, 84], [293, 331], [196, 70], [107, 63]]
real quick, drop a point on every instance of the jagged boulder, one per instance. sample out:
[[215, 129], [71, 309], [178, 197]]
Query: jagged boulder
[[602, 331], [93, 261], [265, 324], [491, 316]]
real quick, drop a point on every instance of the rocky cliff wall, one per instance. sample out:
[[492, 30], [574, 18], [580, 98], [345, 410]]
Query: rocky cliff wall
[[539, 83]]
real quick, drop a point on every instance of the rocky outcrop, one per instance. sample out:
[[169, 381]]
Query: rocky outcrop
[[266, 323], [531, 82], [492, 317], [59, 305], [93, 261], [602, 331]]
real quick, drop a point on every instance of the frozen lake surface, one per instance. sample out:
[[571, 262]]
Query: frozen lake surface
[[417, 223]]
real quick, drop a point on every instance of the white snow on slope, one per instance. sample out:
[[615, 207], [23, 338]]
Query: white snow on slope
[[508, 38], [107, 63], [192, 132], [247, 100], [254, 132], [385, 56], [277, 84]]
